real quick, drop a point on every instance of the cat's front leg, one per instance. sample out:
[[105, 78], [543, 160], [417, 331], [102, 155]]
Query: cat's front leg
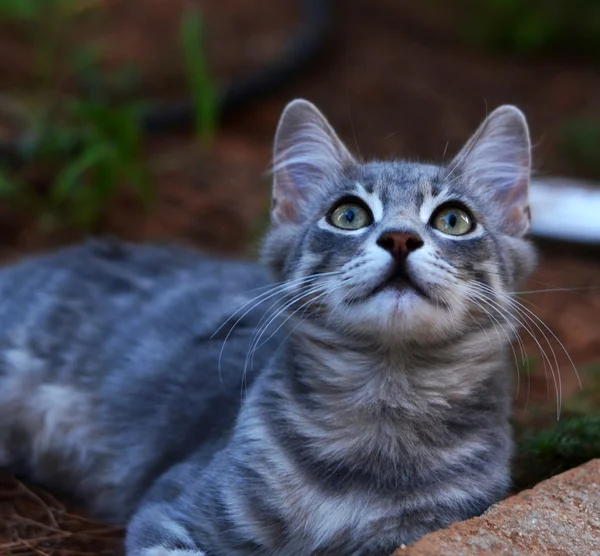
[[169, 521], [161, 551], [155, 531]]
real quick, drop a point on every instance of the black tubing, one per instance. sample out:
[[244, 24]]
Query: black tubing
[[161, 117], [299, 51]]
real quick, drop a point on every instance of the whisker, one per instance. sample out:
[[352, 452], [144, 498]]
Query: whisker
[[545, 359], [306, 306], [302, 317], [456, 298], [262, 329], [298, 282], [479, 298], [255, 344], [500, 308], [289, 316], [550, 290], [276, 288], [534, 316], [512, 327], [522, 349], [299, 287], [533, 319]]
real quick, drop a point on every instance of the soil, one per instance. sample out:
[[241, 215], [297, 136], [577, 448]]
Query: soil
[[395, 80]]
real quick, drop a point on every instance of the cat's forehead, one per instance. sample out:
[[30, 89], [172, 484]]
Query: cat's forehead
[[405, 182]]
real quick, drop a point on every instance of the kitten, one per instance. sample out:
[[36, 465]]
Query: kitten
[[374, 377]]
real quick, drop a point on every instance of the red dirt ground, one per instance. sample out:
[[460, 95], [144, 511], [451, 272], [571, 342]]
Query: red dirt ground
[[395, 81]]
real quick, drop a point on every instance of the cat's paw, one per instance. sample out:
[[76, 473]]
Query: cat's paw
[[162, 551]]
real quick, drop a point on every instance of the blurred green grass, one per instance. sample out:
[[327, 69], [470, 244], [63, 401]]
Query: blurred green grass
[[533, 26], [544, 451], [78, 150]]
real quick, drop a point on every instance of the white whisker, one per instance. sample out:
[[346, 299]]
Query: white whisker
[[269, 294], [550, 290], [474, 297], [256, 342], [545, 359], [533, 319], [262, 329]]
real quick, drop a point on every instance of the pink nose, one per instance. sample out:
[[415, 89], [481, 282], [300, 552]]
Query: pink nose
[[400, 244]]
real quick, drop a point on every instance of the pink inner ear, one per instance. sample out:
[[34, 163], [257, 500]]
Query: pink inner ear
[[513, 197], [287, 197], [514, 204], [307, 157], [497, 161], [284, 209], [518, 219]]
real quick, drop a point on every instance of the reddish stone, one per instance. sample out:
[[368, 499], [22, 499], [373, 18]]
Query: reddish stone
[[559, 517]]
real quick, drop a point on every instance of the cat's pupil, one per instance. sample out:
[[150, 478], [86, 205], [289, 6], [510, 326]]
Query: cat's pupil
[[451, 220], [350, 214]]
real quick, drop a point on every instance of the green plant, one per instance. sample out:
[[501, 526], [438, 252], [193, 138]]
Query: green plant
[[200, 83], [543, 454], [580, 140], [78, 148], [19, 9], [587, 400], [526, 26], [109, 153], [85, 146]]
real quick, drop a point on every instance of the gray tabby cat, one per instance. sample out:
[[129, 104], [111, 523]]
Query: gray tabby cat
[[357, 405]]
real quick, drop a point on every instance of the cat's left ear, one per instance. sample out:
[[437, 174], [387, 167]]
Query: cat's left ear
[[497, 162], [307, 157]]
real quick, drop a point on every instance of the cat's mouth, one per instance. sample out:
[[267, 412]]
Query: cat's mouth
[[399, 280]]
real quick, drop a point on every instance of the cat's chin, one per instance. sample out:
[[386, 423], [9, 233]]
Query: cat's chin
[[395, 313], [403, 300], [399, 282], [399, 287]]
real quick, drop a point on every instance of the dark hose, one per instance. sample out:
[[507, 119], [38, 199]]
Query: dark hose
[[159, 117], [300, 50]]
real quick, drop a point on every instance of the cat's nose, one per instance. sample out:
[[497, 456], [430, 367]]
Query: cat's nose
[[400, 244]]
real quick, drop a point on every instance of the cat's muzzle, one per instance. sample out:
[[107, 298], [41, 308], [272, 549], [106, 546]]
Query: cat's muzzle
[[399, 279]]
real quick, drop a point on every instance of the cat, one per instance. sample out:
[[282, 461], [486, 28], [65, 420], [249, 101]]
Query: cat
[[346, 396]]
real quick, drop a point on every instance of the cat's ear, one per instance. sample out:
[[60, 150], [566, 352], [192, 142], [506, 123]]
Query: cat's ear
[[497, 162], [307, 156]]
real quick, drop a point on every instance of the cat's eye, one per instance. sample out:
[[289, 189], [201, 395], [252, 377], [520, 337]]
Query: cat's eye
[[350, 215], [453, 220]]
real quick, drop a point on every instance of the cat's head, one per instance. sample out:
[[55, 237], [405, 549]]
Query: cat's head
[[398, 249]]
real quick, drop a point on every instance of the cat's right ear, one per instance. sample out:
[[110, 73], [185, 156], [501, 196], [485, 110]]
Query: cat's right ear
[[307, 156], [497, 161]]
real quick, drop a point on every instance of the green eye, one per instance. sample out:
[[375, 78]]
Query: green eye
[[453, 220], [350, 216]]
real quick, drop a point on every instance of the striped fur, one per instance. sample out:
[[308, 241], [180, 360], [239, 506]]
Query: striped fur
[[225, 409]]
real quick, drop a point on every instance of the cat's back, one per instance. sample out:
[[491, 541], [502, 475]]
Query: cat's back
[[111, 347], [107, 292], [109, 275]]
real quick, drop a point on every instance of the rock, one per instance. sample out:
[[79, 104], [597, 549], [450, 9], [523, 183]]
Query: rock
[[560, 516]]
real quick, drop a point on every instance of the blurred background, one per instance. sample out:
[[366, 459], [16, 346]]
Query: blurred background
[[153, 120]]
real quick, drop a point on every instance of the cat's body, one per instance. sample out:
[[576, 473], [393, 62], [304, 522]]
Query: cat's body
[[108, 369], [378, 396]]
